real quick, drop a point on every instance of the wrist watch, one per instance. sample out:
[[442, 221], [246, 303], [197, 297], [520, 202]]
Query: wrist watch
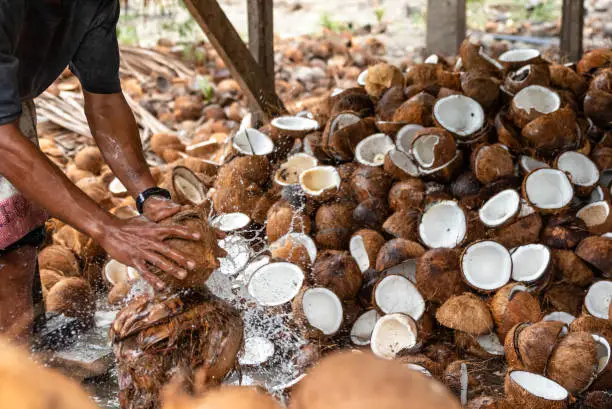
[[153, 191]]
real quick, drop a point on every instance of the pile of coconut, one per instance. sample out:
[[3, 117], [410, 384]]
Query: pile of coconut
[[453, 214]]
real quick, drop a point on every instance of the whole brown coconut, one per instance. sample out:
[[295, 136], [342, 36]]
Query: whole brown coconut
[[371, 213], [337, 271], [407, 194], [491, 162], [438, 275], [403, 224], [598, 100], [571, 269], [397, 251], [573, 363], [523, 231], [334, 225], [90, 159], [203, 252], [552, 132], [593, 61], [597, 252], [24, 384], [381, 77], [482, 88], [73, 297], [467, 313], [565, 78], [390, 101], [59, 258], [564, 232], [332, 384], [417, 110], [284, 218], [368, 181], [512, 305]]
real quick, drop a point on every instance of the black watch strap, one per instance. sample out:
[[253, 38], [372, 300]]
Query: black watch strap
[[153, 191]]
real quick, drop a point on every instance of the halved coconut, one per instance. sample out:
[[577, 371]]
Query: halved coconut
[[394, 333], [603, 352], [516, 58], [443, 224], [116, 272], [276, 283], [481, 346], [486, 265], [320, 182], [405, 136], [561, 316], [598, 298], [364, 247], [395, 293], [289, 172], [188, 188], [531, 390], [597, 217], [548, 190], [319, 311], [231, 221], [117, 188], [238, 254], [531, 262], [361, 332], [490, 343], [467, 313], [419, 368], [399, 164], [501, 209], [532, 102], [362, 78], [432, 148], [249, 141], [529, 164], [583, 171], [460, 115], [371, 151], [256, 351], [597, 252], [297, 248], [294, 126], [406, 269]]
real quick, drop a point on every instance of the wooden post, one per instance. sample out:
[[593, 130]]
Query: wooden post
[[261, 41], [572, 25], [446, 25], [237, 57]]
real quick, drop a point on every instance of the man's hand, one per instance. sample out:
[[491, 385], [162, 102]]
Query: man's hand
[[140, 243], [157, 208]]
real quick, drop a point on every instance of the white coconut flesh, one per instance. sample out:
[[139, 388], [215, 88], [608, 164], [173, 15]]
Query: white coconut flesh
[[490, 343], [560, 316], [432, 59], [431, 171], [202, 144], [316, 180], [519, 55], [275, 283], [443, 225], [406, 269], [336, 92], [423, 150], [405, 136], [247, 121], [253, 266], [289, 172], [595, 214], [488, 58], [359, 253], [500, 208], [188, 184], [392, 334], [361, 332], [343, 120], [322, 309], [486, 265], [539, 386], [603, 352], [396, 294], [231, 221], [116, 187], [116, 272], [238, 254], [596, 195], [526, 209], [549, 189], [295, 123], [372, 150], [257, 350], [529, 164], [538, 98], [404, 162], [459, 114], [582, 169], [362, 78], [249, 141], [530, 262], [298, 240], [598, 298], [419, 368]]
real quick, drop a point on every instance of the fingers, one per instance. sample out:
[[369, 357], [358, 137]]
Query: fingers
[[174, 255], [141, 266], [165, 265], [178, 232]]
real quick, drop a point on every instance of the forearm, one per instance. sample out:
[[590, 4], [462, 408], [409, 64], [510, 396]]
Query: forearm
[[27, 168], [115, 130]]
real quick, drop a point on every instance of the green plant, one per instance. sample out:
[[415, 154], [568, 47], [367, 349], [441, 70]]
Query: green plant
[[205, 87], [328, 23], [380, 13], [127, 34]]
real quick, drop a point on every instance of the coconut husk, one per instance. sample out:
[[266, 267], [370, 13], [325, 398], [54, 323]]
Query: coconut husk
[[488, 402], [371, 213], [438, 275], [368, 181], [354, 100], [602, 157], [469, 345], [372, 242], [436, 369], [397, 251], [597, 252], [381, 77], [521, 398], [481, 87], [507, 133], [407, 194], [597, 400], [48, 278], [466, 313], [283, 218], [417, 110], [443, 151], [530, 74], [60, 258], [593, 61], [334, 225], [491, 162], [536, 342], [338, 272], [388, 104], [563, 297], [525, 230], [564, 232], [80, 244], [291, 250], [593, 325], [573, 362], [399, 165], [423, 74], [403, 224], [571, 269], [340, 144], [565, 78], [162, 142], [552, 132], [472, 60], [510, 306], [299, 316]]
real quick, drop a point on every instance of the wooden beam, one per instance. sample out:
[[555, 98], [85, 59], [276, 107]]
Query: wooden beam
[[446, 25], [572, 27], [237, 57], [261, 41]]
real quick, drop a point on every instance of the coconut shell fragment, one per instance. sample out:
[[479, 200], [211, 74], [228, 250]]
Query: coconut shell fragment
[[466, 313], [597, 252]]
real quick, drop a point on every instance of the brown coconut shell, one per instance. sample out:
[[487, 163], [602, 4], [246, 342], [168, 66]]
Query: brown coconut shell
[[73, 297], [598, 100], [371, 213], [469, 344], [597, 252], [527, 75], [510, 306], [119, 293], [80, 244], [593, 325], [372, 241], [307, 330], [188, 189], [407, 194], [536, 342], [491, 162], [162, 142], [593, 61], [423, 74], [480, 87], [571, 269], [390, 101], [436, 369], [452, 377], [89, 159], [552, 132], [564, 231], [525, 230], [338, 272], [48, 278], [356, 100], [283, 218], [397, 251], [563, 297], [368, 181], [403, 224], [334, 225], [507, 133], [438, 275], [597, 400], [59, 258], [573, 363], [341, 144], [520, 398], [381, 77], [444, 150], [467, 313], [417, 110], [602, 157], [565, 78], [292, 251], [472, 59]]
